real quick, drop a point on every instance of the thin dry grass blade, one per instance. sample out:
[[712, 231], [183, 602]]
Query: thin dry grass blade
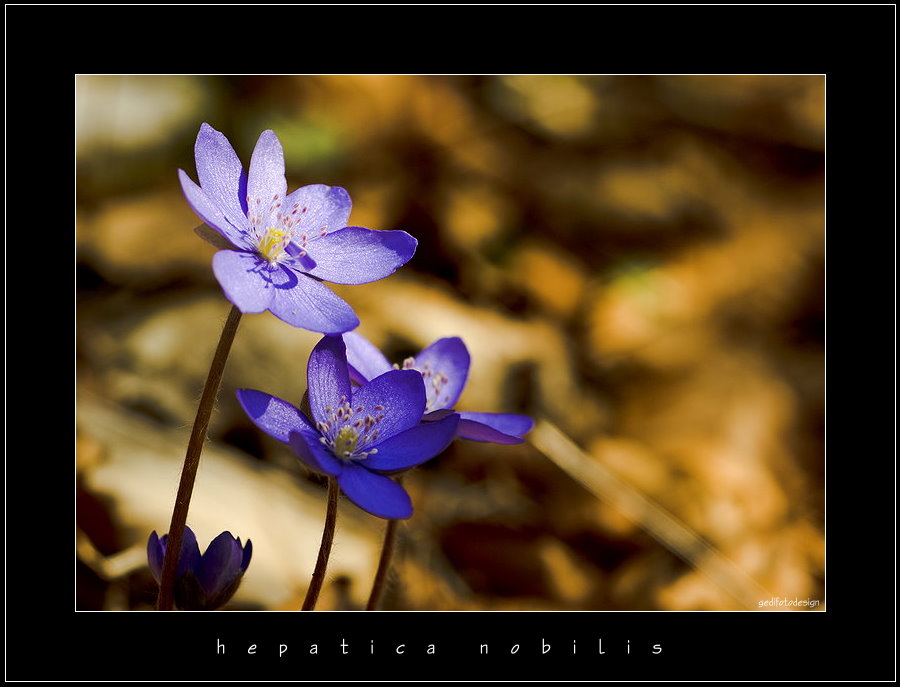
[[649, 515]]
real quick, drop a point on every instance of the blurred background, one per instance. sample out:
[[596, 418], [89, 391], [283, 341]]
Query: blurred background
[[635, 261]]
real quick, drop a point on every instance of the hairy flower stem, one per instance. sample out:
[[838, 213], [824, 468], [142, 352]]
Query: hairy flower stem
[[192, 461], [384, 563], [318, 577]]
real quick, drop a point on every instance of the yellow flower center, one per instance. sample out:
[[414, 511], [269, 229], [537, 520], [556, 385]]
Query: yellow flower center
[[271, 244], [345, 442]]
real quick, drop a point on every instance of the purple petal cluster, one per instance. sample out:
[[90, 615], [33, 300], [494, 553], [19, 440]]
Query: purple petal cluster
[[356, 434], [444, 366], [281, 246], [203, 582]]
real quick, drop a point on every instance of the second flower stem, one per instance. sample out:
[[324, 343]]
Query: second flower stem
[[318, 577], [192, 461], [384, 563], [384, 566]]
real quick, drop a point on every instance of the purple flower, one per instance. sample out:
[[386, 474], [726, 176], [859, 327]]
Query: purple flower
[[444, 366], [356, 434], [202, 583], [280, 247]]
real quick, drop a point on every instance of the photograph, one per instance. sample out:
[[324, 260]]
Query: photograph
[[595, 305]]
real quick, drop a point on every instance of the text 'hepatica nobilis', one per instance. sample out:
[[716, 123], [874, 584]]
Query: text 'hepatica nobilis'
[[282, 246], [356, 433]]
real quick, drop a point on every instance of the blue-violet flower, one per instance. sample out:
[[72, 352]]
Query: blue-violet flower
[[356, 433], [202, 582], [444, 366], [280, 247]]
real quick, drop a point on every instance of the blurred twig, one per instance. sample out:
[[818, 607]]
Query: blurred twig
[[649, 515], [110, 567]]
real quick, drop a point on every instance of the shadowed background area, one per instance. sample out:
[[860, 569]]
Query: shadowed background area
[[635, 261]]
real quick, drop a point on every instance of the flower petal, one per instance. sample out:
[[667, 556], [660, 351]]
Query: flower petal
[[374, 493], [327, 379], [317, 209], [445, 359], [275, 417], [497, 428], [266, 184], [365, 360], [355, 255], [314, 454], [209, 212], [395, 399], [247, 555], [245, 279], [301, 256], [190, 553], [155, 555], [220, 564], [221, 174], [306, 303], [414, 446]]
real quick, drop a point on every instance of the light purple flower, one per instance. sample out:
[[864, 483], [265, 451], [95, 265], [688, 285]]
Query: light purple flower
[[356, 434], [202, 582], [280, 247], [444, 366]]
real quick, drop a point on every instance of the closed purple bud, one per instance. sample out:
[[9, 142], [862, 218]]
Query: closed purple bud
[[203, 582]]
